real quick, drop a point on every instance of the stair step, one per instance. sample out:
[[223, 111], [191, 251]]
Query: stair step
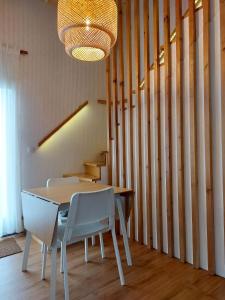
[[94, 163], [83, 176]]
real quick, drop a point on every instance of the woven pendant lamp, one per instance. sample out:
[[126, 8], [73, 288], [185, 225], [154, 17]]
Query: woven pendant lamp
[[88, 28]]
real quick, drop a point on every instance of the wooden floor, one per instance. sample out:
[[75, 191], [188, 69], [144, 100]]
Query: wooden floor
[[153, 276]]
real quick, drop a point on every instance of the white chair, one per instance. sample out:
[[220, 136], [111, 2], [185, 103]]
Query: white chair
[[89, 214], [62, 181], [59, 182]]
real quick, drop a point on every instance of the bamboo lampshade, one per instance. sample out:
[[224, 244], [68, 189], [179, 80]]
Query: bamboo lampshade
[[88, 28]]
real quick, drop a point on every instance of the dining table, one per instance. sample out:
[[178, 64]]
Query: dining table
[[41, 207]]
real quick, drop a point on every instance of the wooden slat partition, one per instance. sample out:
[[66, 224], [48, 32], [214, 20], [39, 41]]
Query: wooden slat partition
[[115, 105], [180, 128], [208, 138], [198, 6], [130, 106], [50, 134], [158, 112], [147, 100], [179, 181], [193, 134], [121, 91], [109, 119], [222, 33], [168, 102], [138, 102]]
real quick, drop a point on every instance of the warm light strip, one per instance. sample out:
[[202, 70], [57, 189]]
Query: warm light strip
[[198, 4], [173, 36], [142, 84], [161, 57], [48, 136]]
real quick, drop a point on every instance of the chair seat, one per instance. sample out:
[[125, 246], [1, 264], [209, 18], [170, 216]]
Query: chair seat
[[86, 230]]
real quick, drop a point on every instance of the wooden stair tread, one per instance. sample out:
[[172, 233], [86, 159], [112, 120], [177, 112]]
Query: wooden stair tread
[[94, 163]]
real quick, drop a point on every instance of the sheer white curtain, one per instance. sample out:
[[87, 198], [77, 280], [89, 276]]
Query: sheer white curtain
[[10, 200]]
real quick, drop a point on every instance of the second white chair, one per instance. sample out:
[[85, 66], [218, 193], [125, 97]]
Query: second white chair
[[60, 181]]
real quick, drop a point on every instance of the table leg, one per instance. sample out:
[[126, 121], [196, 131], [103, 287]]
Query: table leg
[[132, 218], [26, 251], [53, 273], [124, 232]]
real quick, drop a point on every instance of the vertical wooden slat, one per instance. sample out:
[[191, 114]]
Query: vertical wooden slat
[[222, 33], [157, 104], [169, 173], [147, 100], [208, 138], [109, 119], [115, 105], [138, 102], [180, 127], [121, 91], [130, 105], [193, 133]]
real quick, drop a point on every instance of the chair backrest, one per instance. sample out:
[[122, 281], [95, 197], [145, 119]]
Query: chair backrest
[[62, 181], [90, 208]]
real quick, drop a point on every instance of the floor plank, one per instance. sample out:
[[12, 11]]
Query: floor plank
[[153, 276]]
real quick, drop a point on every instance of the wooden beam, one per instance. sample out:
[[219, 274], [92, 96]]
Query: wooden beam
[[23, 52], [121, 92], [130, 106], [180, 127], [169, 128], [109, 120], [58, 127], [138, 100], [102, 101], [116, 124], [208, 138], [158, 113], [193, 135], [148, 109], [222, 33]]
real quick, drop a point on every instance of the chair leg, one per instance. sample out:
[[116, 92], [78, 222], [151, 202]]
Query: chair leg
[[66, 284], [44, 257], [102, 245], [86, 250], [124, 232], [26, 251], [53, 273], [93, 240], [61, 258], [42, 247], [118, 260]]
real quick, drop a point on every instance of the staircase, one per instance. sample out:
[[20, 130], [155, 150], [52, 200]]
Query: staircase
[[93, 170]]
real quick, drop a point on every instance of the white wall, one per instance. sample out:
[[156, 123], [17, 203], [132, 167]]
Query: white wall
[[52, 85]]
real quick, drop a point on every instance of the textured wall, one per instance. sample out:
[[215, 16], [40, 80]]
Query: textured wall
[[52, 85]]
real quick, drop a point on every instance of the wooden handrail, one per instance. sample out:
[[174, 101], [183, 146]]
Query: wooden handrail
[[50, 134]]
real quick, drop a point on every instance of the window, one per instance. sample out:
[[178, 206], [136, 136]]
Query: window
[[10, 203]]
